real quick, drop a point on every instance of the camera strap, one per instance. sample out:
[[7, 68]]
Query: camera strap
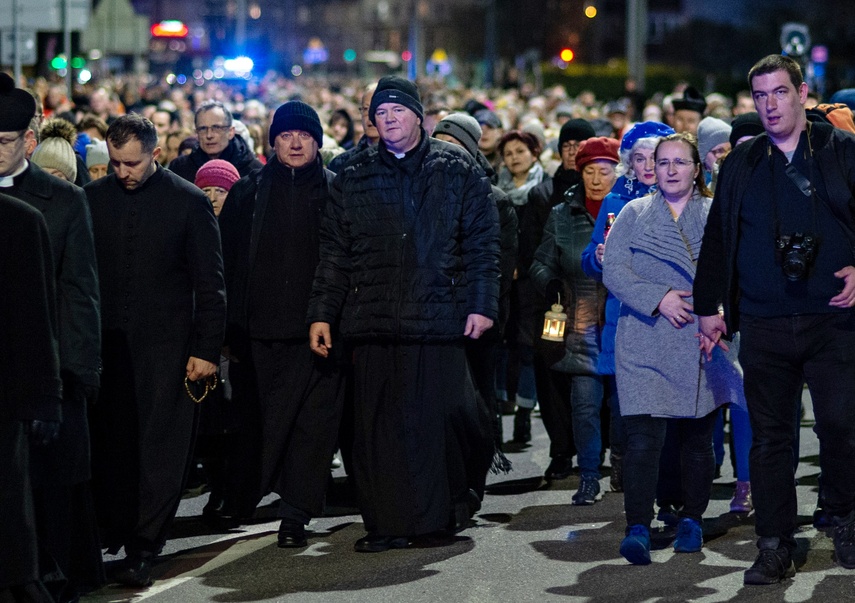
[[802, 183]]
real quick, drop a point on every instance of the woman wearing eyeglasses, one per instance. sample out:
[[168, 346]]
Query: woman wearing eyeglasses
[[665, 378]]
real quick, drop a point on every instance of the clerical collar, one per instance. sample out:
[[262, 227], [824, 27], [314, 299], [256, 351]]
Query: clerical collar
[[9, 181]]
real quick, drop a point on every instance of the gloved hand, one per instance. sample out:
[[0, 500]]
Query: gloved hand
[[43, 433]]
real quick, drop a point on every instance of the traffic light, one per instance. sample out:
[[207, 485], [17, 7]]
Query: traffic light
[[567, 54]]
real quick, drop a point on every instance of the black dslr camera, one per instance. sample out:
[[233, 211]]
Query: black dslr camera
[[794, 253]]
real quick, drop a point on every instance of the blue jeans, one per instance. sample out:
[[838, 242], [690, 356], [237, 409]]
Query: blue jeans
[[586, 401], [645, 436], [776, 354]]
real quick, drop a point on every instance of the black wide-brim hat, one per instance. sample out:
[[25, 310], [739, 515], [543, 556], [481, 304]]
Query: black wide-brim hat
[[17, 106]]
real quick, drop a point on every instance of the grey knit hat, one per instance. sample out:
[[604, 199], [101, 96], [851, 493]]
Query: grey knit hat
[[297, 115], [96, 154], [394, 89], [711, 133], [462, 127]]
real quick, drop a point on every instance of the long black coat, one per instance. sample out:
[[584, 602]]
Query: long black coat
[[66, 213], [30, 387], [163, 300]]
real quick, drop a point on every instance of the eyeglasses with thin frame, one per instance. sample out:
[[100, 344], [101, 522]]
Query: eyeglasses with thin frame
[[679, 163], [203, 130]]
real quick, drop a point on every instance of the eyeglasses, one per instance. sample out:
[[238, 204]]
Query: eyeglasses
[[679, 163], [289, 136], [570, 146], [203, 130]]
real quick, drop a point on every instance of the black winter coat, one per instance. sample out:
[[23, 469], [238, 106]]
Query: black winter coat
[[29, 376], [66, 213], [241, 222], [567, 232], [716, 281], [410, 247], [237, 153]]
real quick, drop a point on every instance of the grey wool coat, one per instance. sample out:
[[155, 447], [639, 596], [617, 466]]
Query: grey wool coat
[[659, 369]]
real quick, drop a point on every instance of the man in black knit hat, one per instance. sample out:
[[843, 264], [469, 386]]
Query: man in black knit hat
[[409, 266], [270, 225]]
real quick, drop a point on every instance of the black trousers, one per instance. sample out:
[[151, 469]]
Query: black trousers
[[300, 395], [776, 354], [419, 444], [645, 437]]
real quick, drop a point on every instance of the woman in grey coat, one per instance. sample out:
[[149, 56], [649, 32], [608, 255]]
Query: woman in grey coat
[[664, 377]]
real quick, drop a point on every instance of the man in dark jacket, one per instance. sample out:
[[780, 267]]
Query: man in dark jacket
[[410, 265], [163, 312], [61, 470], [217, 140], [791, 302], [30, 386], [300, 393]]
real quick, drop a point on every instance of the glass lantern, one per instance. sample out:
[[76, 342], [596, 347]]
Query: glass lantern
[[554, 321]]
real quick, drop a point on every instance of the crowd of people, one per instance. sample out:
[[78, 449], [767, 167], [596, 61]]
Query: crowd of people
[[243, 283]]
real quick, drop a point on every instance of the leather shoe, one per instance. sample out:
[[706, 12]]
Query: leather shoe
[[560, 467], [216, 515], [137, 572], [292, 535], [374, 543]]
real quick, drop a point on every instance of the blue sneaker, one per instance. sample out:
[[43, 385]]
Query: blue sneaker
[[635, 547], [690, 536]]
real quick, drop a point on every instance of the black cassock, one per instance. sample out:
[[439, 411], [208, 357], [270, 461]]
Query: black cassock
[[163, 300], [30, 388]]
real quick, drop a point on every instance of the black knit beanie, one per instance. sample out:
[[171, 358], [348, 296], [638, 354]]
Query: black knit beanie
[[297, 115], [575, 129], [394, 89]]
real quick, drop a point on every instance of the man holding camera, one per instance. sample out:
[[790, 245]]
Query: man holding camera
[[778, 255]]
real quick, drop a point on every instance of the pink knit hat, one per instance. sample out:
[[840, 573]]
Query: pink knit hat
[[217, 172]]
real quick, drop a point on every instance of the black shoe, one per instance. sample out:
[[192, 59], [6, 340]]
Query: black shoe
[[292, 535], [844, 542], [522, 425], [374, 543], [217, 516], [136, 572], [770, 567], [560, 467]]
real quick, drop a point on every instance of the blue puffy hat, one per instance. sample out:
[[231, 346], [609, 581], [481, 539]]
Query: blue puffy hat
[[845, 96], [646, 129], [81, 143]]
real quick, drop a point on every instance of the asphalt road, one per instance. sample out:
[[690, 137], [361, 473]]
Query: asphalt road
[[526, 544]]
